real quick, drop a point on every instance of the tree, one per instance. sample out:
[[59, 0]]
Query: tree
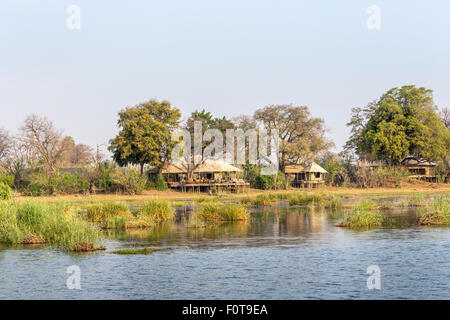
[[5, 143], [40, 136], [145, 134], [445, 116], [404, 121], [302, 137]]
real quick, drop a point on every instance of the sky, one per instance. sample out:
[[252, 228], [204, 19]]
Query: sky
[[229, 57]]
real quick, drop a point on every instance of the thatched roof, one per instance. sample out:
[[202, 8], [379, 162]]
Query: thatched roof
[[314, 167], [296, 168], [207, 166], [413, 161]]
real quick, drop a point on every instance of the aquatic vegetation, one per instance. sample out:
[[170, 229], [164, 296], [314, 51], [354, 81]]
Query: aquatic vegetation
[[363, 215], [134, 251], [436, 213], [261, 200], [52, 223], [307, 199], [215, 211], [103, 211], [418, 200], [156, 210], [333, 203]]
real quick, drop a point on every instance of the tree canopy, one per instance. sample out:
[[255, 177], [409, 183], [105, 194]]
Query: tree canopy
[[145, 134], [302, 137], [404, 121]]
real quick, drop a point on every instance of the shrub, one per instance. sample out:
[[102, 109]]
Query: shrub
[[7, 179], [157, 182], [271, 182], [5, 191], [40, 184], [128, 181]]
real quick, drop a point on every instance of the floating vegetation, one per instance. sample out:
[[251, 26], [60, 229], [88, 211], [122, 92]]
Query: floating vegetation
[[134, 251]]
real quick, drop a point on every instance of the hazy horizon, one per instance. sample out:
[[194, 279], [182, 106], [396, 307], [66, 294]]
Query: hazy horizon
[[229, 58]]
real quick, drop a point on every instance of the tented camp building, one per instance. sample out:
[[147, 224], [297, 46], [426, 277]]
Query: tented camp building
[[210, 175], [311, 176]]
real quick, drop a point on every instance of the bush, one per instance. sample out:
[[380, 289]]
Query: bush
[[7, 179], [271, 182], [156, 183], [5, 191], [128, 181], [65, 183]]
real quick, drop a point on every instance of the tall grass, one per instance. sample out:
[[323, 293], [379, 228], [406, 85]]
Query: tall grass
[[156, 210], [306, 199], [215, 211], [436, 213], [363, 215], [54, 223], [103, 211]]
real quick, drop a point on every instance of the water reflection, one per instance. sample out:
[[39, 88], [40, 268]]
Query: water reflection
[[267, 227]]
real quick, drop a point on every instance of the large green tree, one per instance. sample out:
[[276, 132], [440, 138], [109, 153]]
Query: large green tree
[[404, 121], [145, 134]]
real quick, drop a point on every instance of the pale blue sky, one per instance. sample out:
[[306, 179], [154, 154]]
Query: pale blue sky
[[230, 57]]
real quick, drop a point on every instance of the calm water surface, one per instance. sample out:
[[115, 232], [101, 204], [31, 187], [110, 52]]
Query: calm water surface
[[295, 253]]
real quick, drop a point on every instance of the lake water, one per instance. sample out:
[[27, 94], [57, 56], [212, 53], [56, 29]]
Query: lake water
[[295, 253]]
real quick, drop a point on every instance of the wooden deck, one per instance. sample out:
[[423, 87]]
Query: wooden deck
[[209, 186]]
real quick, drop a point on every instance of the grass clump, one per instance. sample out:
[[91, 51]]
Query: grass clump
[[362, 215], [104, 211], [134, 251], [305, 199], [436, 213], [215, 211], [52, 223], [333, 203], [156, 210]]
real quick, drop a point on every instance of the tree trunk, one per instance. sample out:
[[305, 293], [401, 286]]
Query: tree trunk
[[142, 169]]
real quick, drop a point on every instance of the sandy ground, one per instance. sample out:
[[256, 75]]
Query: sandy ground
[[425, 188]]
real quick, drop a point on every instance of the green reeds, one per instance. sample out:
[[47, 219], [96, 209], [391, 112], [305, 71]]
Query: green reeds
[[306, 199], [156, 210], [53, 223], [436, 213], [103, 211], [363, 215], [333, 203], [215, 211]]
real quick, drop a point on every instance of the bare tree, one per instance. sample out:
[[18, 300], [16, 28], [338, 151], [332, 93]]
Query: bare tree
[[5, 143], [81, 154], [445, 116], [40, 136]]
